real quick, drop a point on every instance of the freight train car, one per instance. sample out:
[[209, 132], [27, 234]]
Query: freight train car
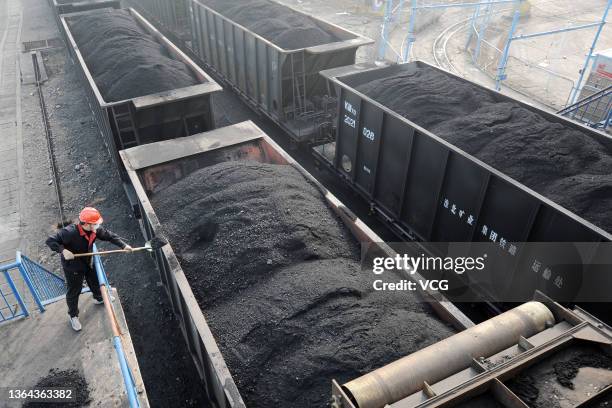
[[429, 189], [127, 103], [171, 16], [278, 74], [271, 55], [60, 7], [155, 169], [566, 362]]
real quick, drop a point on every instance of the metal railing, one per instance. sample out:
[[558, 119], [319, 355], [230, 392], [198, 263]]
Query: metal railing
[[43, 287], [595, 110], [128, 379], [46, 287]]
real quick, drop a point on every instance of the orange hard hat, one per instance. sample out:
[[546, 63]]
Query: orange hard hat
[[90, 215]]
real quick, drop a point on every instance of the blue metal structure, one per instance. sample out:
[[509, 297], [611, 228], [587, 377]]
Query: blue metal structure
[[382, 46], [482, 16], [12, 304], [501, 69], [44, 287], [585, 110], [414, 7], [126, 372], [576, 89]]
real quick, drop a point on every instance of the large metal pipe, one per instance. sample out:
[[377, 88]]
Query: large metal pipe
[[406, 376]]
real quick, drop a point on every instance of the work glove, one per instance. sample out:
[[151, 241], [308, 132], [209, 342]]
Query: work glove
[[128, 248], [69, 256]]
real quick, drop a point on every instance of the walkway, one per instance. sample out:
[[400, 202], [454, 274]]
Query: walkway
[[11, 162], [33, 346]]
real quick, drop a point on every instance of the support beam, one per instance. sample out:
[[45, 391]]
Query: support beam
[[578, 84], [384, 34], [464, 5], [410, 38], [503, 62], [414, 7], [561, 30]]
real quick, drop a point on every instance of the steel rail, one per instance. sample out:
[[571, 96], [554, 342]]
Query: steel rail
[[47, 128]]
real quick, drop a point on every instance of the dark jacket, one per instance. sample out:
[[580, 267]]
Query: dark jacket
[[79, 241]]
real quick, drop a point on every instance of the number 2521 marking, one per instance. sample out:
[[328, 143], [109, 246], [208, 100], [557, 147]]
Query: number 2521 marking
[[349, 121]]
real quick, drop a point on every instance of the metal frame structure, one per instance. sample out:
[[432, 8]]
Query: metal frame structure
[[582, 111], [44, 286], [408, 43], [490, 374], [414, 7], [501, 69]]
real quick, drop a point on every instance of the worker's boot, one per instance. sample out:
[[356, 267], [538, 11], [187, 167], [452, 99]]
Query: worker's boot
[[99, 302], [75, 323]]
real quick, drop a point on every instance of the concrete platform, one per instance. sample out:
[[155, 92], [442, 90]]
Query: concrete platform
[[34, 345], [11, 150]]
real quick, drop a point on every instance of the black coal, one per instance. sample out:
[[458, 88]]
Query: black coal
[[566, 165], [126, 61], [278, 278], [282, 26]]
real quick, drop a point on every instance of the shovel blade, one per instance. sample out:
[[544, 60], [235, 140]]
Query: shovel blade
[[155, 243]]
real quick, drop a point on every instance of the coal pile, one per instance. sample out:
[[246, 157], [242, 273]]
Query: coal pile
[[568, 166], [124, 60], [67, 379], [278, 278], [556, 376], [276, 23]]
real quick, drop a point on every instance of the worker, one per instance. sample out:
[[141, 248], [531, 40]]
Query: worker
[[79, 238]]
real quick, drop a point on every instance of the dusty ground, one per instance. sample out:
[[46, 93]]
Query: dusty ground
[[540, 70], [87, 177]]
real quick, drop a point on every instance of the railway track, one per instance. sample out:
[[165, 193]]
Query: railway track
[[440, 45]]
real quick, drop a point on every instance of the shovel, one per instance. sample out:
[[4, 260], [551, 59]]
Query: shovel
[[155, 243]]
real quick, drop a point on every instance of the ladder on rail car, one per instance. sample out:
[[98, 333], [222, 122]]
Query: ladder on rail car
[[298, 69], [128, 135]]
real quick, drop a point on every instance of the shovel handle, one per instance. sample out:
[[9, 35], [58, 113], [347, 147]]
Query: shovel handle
[[114, 251]]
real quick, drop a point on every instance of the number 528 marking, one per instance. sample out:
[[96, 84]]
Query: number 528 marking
[[369, 134]]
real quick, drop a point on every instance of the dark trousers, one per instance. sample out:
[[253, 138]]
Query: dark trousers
[[74, 281]]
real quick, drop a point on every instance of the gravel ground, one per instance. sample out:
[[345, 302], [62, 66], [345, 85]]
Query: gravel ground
[[87, 177]]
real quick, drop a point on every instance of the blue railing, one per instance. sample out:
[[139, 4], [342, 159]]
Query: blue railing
[[126, 372], [48, 286], [12, 304], [43, 286], [595, 110]]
